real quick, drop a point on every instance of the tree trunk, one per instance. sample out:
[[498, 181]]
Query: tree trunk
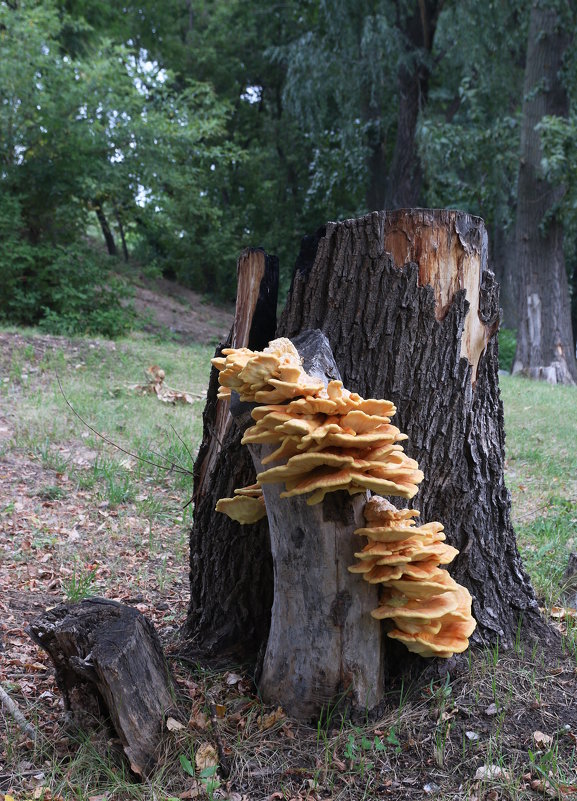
[[416, 24], [106, 230], [545, 346], [411, 313], [109, 665], [120, 225], [230, 565], [502, 259], [323, 643]]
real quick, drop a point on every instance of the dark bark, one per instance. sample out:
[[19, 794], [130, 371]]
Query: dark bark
[[109, 665], [502, 260], [399, 327], [106, 230], [402, 186], [545, 345], [120, 225], [230, 564]]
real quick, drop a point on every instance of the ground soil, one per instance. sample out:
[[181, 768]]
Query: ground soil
[[181, 312], [495, 726]]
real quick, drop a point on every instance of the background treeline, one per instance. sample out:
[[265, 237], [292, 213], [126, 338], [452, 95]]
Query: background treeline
[[170, 135]]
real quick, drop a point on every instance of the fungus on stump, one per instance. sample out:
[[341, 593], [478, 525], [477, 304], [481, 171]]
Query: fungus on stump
[[411, 312]]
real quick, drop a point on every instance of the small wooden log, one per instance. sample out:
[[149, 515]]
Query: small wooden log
[[109, 663], [323, 644]]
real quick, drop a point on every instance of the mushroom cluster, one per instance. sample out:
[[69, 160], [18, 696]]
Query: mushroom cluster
[[430, 611], [325, 438]]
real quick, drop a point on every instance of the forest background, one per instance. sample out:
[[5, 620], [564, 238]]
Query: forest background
[[170, 135]]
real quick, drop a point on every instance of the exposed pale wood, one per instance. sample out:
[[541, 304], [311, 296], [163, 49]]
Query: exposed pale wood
[[251, 288], [450, 249], [323, 644], [109, 665]]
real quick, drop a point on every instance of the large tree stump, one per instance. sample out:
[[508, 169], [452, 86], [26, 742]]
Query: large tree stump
[[323, 643], [411, 312], [236, 598], [109, 665]]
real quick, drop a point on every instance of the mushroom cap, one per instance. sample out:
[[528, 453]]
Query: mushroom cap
[[242, 508], [252, 491], [379, 509], [302, 464], [437, 584], [451, 639], [427, 609]]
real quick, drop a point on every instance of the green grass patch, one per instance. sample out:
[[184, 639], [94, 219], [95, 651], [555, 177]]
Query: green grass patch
[[541, 450]]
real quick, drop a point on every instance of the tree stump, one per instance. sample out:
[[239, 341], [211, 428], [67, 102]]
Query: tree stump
[[110, 665], [229, 611], [411, 312], [323, 643]]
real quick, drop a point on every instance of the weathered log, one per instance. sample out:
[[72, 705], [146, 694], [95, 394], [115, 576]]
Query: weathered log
[[110, 666], [237, 597], [323, 645]]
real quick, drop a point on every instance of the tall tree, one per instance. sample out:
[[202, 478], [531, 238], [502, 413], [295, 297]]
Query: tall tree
[[545, 346], [358, 80]]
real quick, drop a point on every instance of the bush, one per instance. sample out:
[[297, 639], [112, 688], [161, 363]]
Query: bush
[[63, 289]]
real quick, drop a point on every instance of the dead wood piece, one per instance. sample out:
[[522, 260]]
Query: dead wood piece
[[109, 663], [12, 708], [323, 644]]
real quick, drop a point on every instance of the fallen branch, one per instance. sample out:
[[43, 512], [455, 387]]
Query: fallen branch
[[13, 710]]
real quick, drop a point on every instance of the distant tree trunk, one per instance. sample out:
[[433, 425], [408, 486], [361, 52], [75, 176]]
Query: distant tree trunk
[[502, 259], [411, 313], [401, 187], [105, 228], [545, 346], [120, 225]]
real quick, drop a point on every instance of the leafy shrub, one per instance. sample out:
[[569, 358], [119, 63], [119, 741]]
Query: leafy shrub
[[65, 289]]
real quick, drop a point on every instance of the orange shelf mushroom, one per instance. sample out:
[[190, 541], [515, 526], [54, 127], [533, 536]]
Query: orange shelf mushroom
[[326, 439], [431, 612]]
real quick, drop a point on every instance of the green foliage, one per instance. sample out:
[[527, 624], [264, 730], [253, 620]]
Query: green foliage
[[507, 348]]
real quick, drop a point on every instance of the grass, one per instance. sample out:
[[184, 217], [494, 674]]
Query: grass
[[541, 429], [469, 735]]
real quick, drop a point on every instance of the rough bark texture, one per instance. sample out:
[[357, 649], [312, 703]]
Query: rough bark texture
[[545, 346], [323, 644], [230, 564], [419, 328], [398, 330], [109, 663]]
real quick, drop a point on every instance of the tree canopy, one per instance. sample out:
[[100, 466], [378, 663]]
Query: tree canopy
[[172, 136]]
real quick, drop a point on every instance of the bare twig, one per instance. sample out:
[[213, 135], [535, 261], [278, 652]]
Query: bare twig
[[13, 710], [171, 464], [222, 759]]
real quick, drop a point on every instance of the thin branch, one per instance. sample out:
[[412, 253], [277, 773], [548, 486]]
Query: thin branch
[[172, 465], [12, 708]]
